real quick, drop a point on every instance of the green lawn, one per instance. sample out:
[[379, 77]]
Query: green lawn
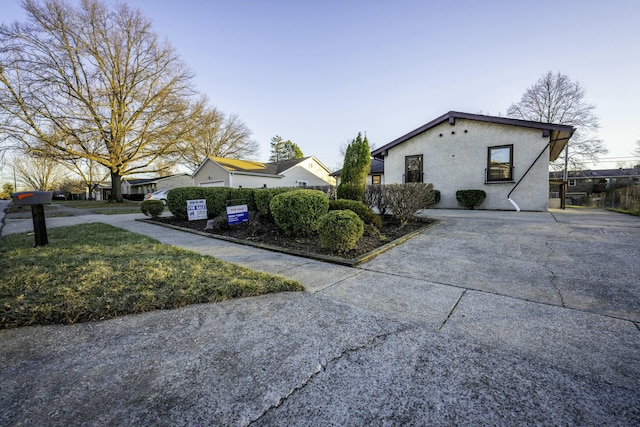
[[96, 271]]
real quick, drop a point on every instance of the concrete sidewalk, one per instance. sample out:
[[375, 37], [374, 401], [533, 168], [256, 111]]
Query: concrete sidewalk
[[489, 318]]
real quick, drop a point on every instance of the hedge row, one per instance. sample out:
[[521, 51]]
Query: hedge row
[[218, 198]]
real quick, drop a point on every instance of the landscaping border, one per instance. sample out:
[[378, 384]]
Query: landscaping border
[[319, 257]]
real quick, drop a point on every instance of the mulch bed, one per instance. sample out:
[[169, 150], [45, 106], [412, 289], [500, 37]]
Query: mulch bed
[[267, 233]]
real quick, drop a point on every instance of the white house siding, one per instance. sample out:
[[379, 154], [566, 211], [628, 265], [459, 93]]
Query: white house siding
[[211, 174], [308, 171], [457, 161], [254, 181]]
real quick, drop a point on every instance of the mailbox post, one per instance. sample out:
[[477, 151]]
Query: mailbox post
[[35, 199]]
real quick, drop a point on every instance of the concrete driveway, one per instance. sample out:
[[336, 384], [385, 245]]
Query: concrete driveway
[[489, 318]]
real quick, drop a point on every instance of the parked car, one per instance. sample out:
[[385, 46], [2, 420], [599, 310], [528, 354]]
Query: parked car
[[158, 195]]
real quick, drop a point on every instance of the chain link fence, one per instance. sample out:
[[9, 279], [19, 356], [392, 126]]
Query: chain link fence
[[627, 198]]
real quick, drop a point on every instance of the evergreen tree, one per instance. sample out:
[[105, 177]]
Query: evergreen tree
[[284, 150], [357, 160]]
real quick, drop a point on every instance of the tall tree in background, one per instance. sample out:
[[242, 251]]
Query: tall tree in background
[[555, 98], [284, 150], [38, 172], [353, 179], [216, 135], [93, 82]]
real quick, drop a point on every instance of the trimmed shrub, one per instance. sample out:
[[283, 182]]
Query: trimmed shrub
[[298, 212], [152, 208], [350, 191], [374, 198], [403, 200], [216, 198], [340, 230], [329, 190], [363, 211], [436, 196], [263, 196], [243, 195], [470, 198]]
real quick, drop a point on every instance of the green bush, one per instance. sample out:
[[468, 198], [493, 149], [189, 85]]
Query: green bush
[[218, 198], [340, 230], [350, 191], [263, 198], [403, 200], [242, 196], [298, 212], [152, 208], [470, 198], [363, 211]]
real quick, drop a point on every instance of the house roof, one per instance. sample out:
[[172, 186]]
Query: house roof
[[275, 169], [598, 173], [376, 167], [558, 134]]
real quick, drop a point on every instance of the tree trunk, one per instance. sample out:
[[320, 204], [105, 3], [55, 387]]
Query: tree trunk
[[116, 188]]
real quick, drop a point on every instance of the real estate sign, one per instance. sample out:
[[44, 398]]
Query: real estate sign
[[237, 214], [196, 209]]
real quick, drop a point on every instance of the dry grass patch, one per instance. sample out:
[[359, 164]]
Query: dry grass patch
[[97, 271]]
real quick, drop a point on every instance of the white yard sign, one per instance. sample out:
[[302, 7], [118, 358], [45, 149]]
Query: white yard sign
[[196, 209]]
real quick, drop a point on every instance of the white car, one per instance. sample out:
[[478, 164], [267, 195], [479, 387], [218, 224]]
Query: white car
[[158, 195]]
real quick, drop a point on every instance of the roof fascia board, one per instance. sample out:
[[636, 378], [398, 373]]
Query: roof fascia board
[[452, 115]]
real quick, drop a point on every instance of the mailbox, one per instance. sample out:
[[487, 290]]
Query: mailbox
[[30, 198], [35, 199]]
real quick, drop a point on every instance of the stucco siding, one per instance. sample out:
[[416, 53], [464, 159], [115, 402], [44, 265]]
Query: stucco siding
[[455, 158]]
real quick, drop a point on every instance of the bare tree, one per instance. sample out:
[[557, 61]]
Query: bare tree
[[38, 172], [555, 98], [216, 135], [93, 82], [636, 152]]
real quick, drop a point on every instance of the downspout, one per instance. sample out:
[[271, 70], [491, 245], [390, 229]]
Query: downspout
[[515, 205]]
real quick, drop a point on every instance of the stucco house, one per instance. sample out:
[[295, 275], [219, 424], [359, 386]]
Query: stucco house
[[223, 172], [507, 158]]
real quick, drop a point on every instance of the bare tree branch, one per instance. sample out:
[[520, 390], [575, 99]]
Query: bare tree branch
[[555, 98], [74, 77], [215, 135]]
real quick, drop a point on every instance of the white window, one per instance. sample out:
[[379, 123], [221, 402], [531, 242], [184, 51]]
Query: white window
[[572, 183]]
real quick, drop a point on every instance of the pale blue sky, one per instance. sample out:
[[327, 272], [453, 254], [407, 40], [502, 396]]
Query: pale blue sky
[[318, 72]]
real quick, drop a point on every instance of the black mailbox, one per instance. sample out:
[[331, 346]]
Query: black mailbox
[[35, 199], [28, 198]]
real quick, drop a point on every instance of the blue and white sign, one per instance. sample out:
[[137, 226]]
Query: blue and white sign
[[196, 209], [237, 214]]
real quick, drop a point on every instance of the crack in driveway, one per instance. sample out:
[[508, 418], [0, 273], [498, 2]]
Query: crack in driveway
[[322, 366]]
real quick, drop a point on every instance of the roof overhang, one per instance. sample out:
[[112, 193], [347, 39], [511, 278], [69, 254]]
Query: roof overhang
[[558, 135]]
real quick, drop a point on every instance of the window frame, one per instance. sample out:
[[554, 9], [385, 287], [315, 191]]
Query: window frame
[[488, 175], [373, 179], [420, 158]]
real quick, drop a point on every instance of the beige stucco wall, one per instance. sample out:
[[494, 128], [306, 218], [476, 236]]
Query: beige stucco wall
[[455, 158]]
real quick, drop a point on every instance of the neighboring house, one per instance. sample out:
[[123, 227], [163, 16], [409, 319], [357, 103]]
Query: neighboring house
[[149, 185], [586, 182], [375, 176], [222, 172], [507, 158]]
